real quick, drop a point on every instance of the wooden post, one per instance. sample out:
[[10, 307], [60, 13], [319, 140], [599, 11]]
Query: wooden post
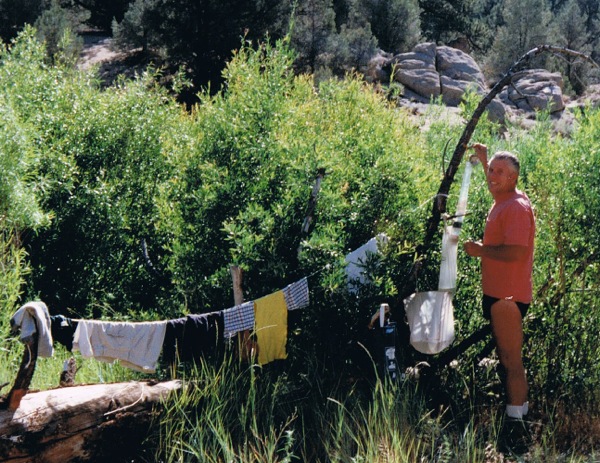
[[236, 276], [24, 376], [246, 347]]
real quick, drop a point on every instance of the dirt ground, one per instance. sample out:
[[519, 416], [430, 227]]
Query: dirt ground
[[96, 50]]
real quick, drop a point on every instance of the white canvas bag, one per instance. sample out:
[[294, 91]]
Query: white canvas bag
[[431, 320], [430, 314]]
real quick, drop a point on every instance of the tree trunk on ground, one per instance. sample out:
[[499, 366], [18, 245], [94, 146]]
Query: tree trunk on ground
[[102, 422]]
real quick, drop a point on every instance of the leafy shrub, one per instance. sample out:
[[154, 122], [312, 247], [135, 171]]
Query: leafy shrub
[[150, 205]]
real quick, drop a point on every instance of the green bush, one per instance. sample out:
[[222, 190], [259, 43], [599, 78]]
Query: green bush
[[130, 207], [100, 167]]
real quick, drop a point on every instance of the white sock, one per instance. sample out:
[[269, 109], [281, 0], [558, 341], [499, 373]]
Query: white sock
[[525, 408], [515, 411]]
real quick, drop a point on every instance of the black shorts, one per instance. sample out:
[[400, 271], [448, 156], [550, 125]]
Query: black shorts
[[489, 301]]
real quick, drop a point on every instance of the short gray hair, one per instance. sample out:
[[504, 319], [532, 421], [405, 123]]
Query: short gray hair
[[510, 157]]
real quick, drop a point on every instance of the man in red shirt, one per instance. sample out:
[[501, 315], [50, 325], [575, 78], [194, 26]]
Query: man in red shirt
[[506, 265]]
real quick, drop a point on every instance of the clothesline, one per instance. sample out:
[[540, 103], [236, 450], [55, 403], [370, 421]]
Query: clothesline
[[139, 345]]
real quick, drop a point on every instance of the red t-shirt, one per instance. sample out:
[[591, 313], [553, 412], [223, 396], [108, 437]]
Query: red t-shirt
[[509, 222]]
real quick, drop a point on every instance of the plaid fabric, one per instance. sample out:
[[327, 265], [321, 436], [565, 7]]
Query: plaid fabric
[[296, 294], [238, 318]]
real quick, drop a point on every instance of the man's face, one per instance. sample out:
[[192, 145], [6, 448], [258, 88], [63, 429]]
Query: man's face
[[501, 177]]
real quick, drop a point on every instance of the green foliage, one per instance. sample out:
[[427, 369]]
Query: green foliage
[[525, 25], [570, 22], [20, 190], [101, 166], [395, 23], [132, 208], [106, 211], [55, 28], [444, 20], [313, 23], [244, 182], [353, 46], [202, 35], [137, 27], [101, 12], [13, 273], [567, 202]]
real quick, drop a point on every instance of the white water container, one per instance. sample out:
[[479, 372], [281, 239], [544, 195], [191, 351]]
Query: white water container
[[448, 267], [430, 317]]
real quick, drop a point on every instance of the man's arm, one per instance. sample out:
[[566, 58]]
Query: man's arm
[[503, 252]]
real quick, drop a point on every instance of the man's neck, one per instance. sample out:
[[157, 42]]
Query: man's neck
[[500, 197]]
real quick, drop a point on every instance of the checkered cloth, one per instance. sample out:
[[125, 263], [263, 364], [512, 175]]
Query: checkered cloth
[[296, 294], [238, 318]]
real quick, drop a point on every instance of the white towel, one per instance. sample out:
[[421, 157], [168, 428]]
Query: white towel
[[33, 317], [356, 261], [135, 345]]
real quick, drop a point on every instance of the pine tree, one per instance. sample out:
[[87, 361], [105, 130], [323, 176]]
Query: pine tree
[[443, 20], [200, 35], [395, 23], [136, 30], [55, 28], [355, 44], [573, 34], [102, 12], [313, 27], [526, 24], [591, 10]]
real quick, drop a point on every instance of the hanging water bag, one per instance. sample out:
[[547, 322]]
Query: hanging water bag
[[431, 320]]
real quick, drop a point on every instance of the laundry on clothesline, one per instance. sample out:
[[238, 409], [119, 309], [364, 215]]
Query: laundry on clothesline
[[63, 330], [33, 317], [238, 318], [296, 294], [356, 261], [137, 345], [192, 337], [270, 313]]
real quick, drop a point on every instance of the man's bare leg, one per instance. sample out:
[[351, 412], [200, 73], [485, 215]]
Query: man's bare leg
[[507, 328]]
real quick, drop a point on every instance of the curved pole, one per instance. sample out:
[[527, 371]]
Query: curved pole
[[440, 200], [439, 203]]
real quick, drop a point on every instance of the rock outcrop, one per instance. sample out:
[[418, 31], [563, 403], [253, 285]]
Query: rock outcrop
[[534, 90], [430, 72]]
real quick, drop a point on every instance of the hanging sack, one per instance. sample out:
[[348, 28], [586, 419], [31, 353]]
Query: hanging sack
[[431, 320]]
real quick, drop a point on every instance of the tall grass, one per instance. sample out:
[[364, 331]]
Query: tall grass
[[239, 413], [234, 412], [228, 183], [48, 370]]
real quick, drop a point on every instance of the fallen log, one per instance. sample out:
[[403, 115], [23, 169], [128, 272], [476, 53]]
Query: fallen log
[[99, 422]]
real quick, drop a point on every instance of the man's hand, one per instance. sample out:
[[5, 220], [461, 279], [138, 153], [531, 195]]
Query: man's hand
[[473, 248], [481, 152]]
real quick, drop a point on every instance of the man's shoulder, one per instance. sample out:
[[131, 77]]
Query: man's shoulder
[[518, 201], [517, 205]]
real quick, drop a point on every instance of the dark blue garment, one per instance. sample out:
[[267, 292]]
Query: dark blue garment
[[188, 339], [63, 329]]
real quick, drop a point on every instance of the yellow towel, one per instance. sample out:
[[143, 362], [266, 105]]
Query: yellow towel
[[270, 324]]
